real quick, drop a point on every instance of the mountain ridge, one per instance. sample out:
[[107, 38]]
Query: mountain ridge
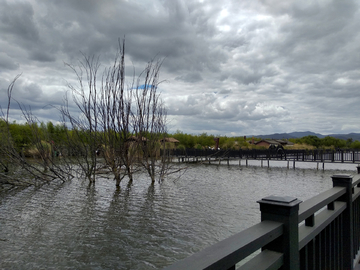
[[297, 134]]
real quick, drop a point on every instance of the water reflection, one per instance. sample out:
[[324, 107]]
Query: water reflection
[[139, 225]]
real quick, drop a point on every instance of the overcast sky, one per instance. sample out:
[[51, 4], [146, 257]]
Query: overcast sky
[[231, 67]]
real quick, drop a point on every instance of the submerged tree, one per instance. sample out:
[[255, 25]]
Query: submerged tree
[[84, 140], [150, 120], [17, 169], [108, 125], [123, 121]]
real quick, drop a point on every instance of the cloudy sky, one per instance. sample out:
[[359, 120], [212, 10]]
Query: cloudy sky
[[231, 67]]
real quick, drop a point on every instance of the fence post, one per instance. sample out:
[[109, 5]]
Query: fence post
[[347, 247], [285, 210]]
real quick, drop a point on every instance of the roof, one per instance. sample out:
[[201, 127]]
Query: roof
[[276, 142], [172, 140]]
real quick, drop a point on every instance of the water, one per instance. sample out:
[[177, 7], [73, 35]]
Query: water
[[73, 226]]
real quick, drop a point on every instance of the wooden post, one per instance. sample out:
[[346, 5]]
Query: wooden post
[[285, 210], [246, 162], [294, 165], [347, 247], [268, 163]]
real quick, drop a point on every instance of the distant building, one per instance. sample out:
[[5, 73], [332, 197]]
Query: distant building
[[170, 140], [267, 143]]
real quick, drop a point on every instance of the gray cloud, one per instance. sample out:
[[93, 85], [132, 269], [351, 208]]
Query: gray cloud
[[290, 65], [7, 63]]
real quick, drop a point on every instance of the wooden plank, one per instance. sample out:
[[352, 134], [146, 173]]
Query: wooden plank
[[230, 251], [356, 193], [266, 260]]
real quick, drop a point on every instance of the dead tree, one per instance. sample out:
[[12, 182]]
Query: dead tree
[[84, 139], [25, 171], [116, 115], [150, 119], [127, 121]]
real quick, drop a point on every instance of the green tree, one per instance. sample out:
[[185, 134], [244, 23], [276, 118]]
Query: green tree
[[355, 145], [331, 141], [311, 140]]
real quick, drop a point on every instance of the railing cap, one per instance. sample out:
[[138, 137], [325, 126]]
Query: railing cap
[[344, 176], [280, 200]]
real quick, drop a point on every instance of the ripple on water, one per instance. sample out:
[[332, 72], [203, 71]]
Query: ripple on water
[[73, 226]]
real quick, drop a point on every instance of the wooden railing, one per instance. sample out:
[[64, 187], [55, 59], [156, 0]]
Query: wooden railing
[[319, 155], [320, 233]]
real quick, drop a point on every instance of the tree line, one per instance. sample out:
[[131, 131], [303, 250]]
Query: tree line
[[23, 136], [204, 140]]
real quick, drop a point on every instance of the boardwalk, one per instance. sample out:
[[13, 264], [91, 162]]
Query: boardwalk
[[320, 156]]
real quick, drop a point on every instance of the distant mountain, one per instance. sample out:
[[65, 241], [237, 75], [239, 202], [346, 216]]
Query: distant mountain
[[292, 135], [354, 136]]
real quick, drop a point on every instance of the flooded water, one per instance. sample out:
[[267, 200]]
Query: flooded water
[[73, 226]]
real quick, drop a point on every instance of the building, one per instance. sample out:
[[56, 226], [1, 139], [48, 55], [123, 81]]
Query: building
[[267, 143]]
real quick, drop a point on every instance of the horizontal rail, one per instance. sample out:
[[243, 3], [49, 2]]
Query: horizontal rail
[[316, 155], [323, 219], [356, 193], [225, 254], [356, 182], [310, 206], [266, 260]]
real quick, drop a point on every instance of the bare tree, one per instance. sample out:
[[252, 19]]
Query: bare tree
[[25, 171], [113, 126], [150, 119], [84, 139], [116, 115], [127, 121]]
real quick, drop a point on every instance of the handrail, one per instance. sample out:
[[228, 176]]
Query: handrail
[[323, 219], [316, 155], [310, 206], [227, 253], [328, 239], [356, 182]]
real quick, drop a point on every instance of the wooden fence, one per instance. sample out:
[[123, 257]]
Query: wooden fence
[[320, 233], [317, 155]]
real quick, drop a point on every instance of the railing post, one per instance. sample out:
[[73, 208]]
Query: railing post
[[285, 210], [347, 247]]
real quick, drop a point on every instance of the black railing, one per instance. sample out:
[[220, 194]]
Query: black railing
[[320, 233], [317, 155]]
